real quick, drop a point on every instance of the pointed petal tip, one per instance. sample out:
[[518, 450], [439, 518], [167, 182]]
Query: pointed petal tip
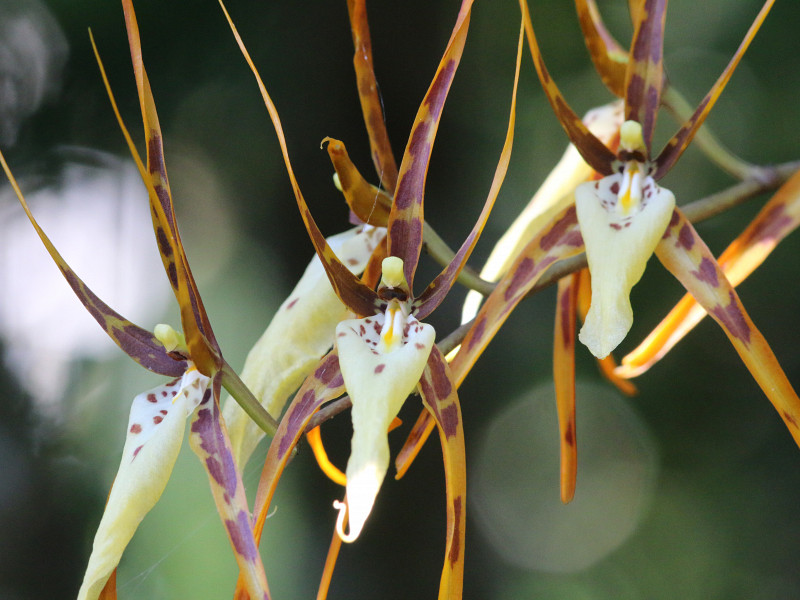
[[362, 489]]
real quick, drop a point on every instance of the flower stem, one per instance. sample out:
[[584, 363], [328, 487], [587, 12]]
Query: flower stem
[[244, 397]]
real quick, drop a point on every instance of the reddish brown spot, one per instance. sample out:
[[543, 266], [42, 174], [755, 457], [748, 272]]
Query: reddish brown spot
[[732, 319], [241, 538], [707, 272], [772, 226], [152, 398], [614, 189], [157, 419], [136, 428], [450, 420], [136, 451], [438, 371], [172, 274], [439, 89], [686, 237], [519, 278], [476, 333], [455, 548], [163, 242], [380, 368], [567, 318], [789, 418], [292, 303], [297, 418], [352, 261], [557, 231], [569, 435], [328, 369]]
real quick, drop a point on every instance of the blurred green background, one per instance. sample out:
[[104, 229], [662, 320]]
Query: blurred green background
[[688, 490]]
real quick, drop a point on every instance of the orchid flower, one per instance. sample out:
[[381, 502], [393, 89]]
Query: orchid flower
[[387, 352], [157, 420]]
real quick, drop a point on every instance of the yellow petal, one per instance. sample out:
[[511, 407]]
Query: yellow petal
[[622, 219], [155, 434], [298, 335]]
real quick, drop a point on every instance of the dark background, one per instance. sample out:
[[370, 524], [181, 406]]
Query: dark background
[[720, 483]]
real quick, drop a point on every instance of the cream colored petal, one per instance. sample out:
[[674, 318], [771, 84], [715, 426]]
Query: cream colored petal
[[618, 246], [378, 382], [555, 193], [298, 335], [155, 433]]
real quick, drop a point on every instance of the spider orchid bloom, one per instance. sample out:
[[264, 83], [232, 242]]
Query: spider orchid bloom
[[624, 215], [387, 352], [301, 331], [157, 419]]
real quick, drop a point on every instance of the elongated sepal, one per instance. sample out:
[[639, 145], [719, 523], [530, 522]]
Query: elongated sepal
[[564, 379], [382, 359], [209, 441], [685, 255], [609, 58], [301, 331], [619, 243], [155, 434], [438, 390]]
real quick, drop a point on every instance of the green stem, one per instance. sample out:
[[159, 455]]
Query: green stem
[[244, 397], [443, 254]]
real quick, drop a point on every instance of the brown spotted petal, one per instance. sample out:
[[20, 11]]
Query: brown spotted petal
[[564, 379], [675, 147], [138, 343], [592, 149], [438, 390], [381, 358], [777, 219], [209, 439], [609, 58], [406, 219], [155, 434], [645, 73], [685, 255]]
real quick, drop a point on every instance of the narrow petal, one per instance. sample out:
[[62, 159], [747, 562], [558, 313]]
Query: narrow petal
[[560, 240], [564, 379], [685, 255], [324, 384], [441, 285], [644, 76], [438, 390], [358, 297], [777, 219], [369, 95], [379, 377], [678, 143], [609, 58], [552, 197], [405, 221], [300, 332], [593, 150], [140, 344], [210, 442], [618, 245], [155, 434]]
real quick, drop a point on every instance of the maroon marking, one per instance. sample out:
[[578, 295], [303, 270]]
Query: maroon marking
[[438, 371], [557, 231], [219, 463], [772, 226], [136, 428], [157, 419], [380, 368], [685, 237], [292, 303], [241, 539], [419, 346], [732, 318], [405, 235], [155, 156], [450, 420], [569, 434], [172, 274], [439, 89], [477, 332], [707, 272], [136, 451], [614, 189], [163, 242], [352, 261], [615, 226], [163, 412], [152, 398], [567, 318], [519, 278], [790, 418], [455, 549], [296, 420], [328, 369]]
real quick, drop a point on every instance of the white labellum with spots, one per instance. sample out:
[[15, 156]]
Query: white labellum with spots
[[155, 434], [622, 218], [382, 359]]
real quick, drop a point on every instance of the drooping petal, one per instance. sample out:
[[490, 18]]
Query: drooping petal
[[140, 344], [301, 331], [155, 434], [407, 216], [441, 285], [369, 95], [687, 257], [644, 76], [609, 58], [382, 359], [564, 379], [438, 390], [209, 441], [777, 219], [593, 150], [678, 143], [552, 197], [358, 297], [619, 241], [560, 240]]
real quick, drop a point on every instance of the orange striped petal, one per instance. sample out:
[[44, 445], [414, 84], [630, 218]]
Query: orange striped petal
[[564, 379], [685, 255], [609, 58]]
